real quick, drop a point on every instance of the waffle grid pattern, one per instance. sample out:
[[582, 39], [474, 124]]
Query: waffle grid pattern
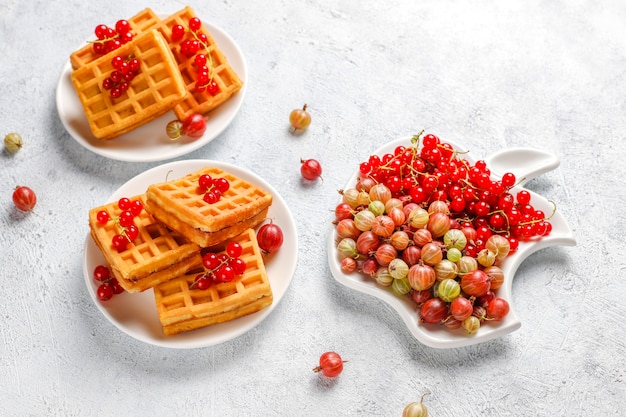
[[223, 74], [153, 91], [155, 247], [178, 303], [140, 23], [242, 200]]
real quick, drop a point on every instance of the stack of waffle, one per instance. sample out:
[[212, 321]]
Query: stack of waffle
[[166, 80], [176, 227]]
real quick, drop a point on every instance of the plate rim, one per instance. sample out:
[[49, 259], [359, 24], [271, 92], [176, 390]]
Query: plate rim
[[184, 341], [186, 146]]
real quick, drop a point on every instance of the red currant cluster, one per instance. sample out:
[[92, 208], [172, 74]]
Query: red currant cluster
[[109, 285], [109, 39], [124, 71], [212, 188], [220, 267], [435, 172], [125, 221], [431, 224], [196, 46]]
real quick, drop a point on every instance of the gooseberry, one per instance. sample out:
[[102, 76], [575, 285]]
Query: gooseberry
[[331, 364], [270, 237], [13, 142], [310, 169], [416, 409], [24, 198], [299, 119]]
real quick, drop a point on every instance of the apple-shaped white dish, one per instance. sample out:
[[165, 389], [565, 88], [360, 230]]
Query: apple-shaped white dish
[[526, 164]]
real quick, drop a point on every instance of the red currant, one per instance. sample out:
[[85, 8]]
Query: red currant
[[105, 292], [101, 273], [102, 217]]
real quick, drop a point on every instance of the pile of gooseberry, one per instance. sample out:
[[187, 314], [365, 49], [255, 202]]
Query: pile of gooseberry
[[436, 228]]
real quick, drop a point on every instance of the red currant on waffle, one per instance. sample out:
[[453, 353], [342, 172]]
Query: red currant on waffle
[[109, 39], [196, 46], [124, 71]]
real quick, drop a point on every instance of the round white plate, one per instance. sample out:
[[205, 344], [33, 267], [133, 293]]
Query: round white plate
[[525, 163], [150, 142], [136, 315]]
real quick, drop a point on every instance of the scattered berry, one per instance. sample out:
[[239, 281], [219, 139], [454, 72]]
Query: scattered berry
[[310, 169], [24, 198], [300, 119], [416, 409], [331, 364], [13, 142]]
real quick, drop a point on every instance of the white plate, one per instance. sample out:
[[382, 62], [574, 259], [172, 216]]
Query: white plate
[[150, 142], [136, 315], [525, 163]]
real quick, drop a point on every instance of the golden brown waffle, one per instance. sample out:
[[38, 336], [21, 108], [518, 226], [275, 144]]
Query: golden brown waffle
[[140, 23], [182, 308], [223, 74], [156, 255], [155, 89], [180, 205]]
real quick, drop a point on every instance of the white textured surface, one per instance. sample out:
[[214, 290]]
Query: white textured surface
[[489, 74]]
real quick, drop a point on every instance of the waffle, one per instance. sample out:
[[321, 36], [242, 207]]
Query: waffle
[[223, 74], [179, 205], [155, 89], [156, 255], [141, 23], [182, 308]]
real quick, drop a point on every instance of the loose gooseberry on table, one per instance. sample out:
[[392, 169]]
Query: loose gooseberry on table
[[330, 364], [310, 169], [24, 198], [462, 224], [299, 119]]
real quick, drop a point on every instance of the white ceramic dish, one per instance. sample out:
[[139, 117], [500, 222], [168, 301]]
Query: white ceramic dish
[[136, 314], [524, 163], [150, 142]]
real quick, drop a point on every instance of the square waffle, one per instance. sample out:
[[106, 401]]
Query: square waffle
[[142, 22], [156, 255], [180, 205], [223, 74], [155, 89], [182, 308]]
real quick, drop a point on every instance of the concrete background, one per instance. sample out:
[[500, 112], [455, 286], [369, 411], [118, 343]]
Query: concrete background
[[488, 74]]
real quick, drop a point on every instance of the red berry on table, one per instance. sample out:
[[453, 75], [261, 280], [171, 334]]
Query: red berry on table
[[24, 198], [310, 169], [331, 364]]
